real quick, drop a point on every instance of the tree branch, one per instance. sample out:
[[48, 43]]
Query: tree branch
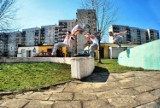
[[7, 14]]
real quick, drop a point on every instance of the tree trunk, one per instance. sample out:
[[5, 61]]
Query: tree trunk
[[99, 51]]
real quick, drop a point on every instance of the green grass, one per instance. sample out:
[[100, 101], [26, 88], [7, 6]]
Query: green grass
[[22, 76], [29, 76], [112, 66]]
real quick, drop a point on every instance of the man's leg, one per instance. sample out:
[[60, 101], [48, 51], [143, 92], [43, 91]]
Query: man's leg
[[91, 49], [56, 46], [74, 46], [118, 43], [72, 51]]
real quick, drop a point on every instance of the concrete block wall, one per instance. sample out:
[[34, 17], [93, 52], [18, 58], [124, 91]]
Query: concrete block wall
[[35, 59], [146, 56], [80, 66], [24, 59]]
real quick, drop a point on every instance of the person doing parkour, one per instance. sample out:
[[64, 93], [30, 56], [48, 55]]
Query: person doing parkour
[[94, 43], [117, 37], [78, 29], [67, 42]]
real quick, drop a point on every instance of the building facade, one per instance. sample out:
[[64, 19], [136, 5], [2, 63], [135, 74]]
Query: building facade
[[48, 34], [64, 26], [134, 35], [153, 34], [4, 44], [85, 16], [9, 44], [13, 43], [31, 36]]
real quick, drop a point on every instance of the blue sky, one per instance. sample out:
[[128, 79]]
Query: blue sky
[[34, 13], [137, 13]]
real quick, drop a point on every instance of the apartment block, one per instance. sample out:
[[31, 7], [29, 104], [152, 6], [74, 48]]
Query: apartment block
[[153, 34], [64, 26], [48, 34], [12, 43], [9, 44], [116, 29], [56, 32], [85, 16], [31, 37], [4, 44], [134, 35]]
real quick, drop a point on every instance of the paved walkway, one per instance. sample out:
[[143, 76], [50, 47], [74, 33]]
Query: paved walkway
[[101, 90]]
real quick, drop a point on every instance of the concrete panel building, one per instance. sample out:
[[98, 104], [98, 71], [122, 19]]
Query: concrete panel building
[[3, 44], [135, 35], [12, 43], [9, 44], [153, 34], [48, 34], [85, 16], [64, 26], [31, 36]]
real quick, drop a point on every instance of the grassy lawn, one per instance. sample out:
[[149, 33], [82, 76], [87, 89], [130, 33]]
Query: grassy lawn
[[20, 76], [112, 66], [29, 76]]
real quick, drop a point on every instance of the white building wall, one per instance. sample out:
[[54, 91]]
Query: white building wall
[[27, 51], [110, 39]]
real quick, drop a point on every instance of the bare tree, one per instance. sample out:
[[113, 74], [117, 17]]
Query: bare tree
[[7, 14], [105, 14]]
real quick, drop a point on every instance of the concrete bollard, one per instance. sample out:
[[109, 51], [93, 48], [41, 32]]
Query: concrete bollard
[[81, 67]]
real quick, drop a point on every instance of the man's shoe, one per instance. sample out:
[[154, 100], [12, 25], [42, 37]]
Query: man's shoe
[[53, 55]]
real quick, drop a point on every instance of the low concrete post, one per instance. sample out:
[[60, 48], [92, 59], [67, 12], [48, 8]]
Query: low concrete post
[[82, 67]]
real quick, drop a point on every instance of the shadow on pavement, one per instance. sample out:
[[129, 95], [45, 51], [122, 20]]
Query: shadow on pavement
[[99, 75]]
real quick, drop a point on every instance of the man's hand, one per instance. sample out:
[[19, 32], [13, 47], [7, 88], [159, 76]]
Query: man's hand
[[67, 45], [125, 31]]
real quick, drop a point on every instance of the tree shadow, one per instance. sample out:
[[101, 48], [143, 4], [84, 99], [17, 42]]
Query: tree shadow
[[99, 75]]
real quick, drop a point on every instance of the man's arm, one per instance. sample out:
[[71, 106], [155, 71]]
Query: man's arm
[[120, 33], [72, 43]]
